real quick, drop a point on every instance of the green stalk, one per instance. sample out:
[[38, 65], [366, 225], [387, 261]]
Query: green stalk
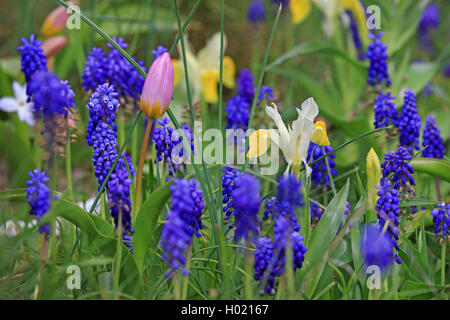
[[333, 187], [192, 116], [443, 250], [260, 79], [220, 99], [69, 167], [185, 285], [248, 279], [118, 258]]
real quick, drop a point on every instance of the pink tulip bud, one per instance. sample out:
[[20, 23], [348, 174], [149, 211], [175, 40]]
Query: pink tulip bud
[[53, 45], [55, 21], [158, 87]]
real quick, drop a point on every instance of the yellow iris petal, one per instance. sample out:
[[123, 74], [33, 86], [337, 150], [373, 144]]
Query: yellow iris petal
[[209, 86], [320, 136], [299, 10], [177, 71], [229, 70], [259, 142]]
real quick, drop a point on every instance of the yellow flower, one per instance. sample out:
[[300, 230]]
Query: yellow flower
[[299, 10], [204, 69], [373, 170], [292, 140]]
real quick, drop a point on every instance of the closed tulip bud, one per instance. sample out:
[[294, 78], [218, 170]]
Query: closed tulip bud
[[158, 87], [55, 21], [373, 170], [53, 45]]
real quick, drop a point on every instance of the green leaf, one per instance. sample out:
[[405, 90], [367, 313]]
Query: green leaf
[[102, 235], [436, 167], [321, 238], [146, 222], [312, 47], [415, 289]]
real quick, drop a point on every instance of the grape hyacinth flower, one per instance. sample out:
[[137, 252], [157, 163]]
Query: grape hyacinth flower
[[115, 69], [39, 196], [441, 219], [256, 12], [289, 196], [355, 35], [396, 163], [315, 211], [385, 111], [230, 179], [32, 57], [246, 202], [119, 196], [430, 19], [174, 243], [265, 272], [388, 212], [237, 113], [271, 208], [237, 109], [168, 144], [50, 95], [376, 247], [319, 175], [446, 71], [183, 221], [102, 136], [409, 122], [160, 50], [94, 72], [377, 55], [432, 140], [187, 202], [284, 235]]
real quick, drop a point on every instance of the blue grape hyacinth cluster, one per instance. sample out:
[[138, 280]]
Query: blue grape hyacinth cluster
[[441, 219], [430, 19], [271, 208], [246, 202], [169, 145], [409, 122], [183, 221], [270, 257], [102, 136], [238, 107], [432, 140], [396, 163], [113, 68], [32, 57], [51, 96], [385, 111], [230, 179], [355, 35], [319, 175], [377, 55], [256, 12], [160, 50], [376, 247], [39, 196], [388, 213], [187, 201]]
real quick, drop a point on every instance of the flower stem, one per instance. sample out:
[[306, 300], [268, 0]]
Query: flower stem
[[186, 278], [118, 257], [69, 167], [443, 251], [138, 193]]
